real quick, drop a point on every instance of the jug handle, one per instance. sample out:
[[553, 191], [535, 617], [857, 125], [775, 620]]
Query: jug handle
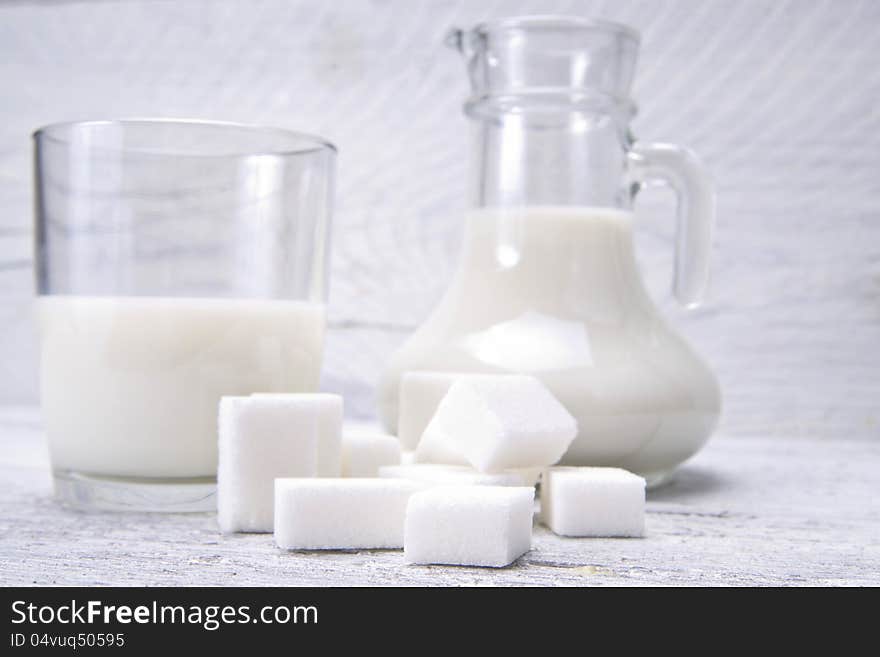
[[682, 170]]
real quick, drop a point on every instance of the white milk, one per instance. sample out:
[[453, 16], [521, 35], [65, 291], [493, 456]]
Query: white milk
[[130, 386], [555, 292]]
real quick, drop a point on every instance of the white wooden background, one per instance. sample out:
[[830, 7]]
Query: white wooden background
[[780, 99]]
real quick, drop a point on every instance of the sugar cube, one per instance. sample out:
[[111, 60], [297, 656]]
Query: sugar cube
[[431, 473], [420, 394], [469, 525], [327, 514], [434, 447], [504, 421], [581, 501], [260, 439], [363, 453], [328, 412]]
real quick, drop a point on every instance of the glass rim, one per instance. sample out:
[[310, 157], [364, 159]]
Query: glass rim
[[311, 143], [558, 21]]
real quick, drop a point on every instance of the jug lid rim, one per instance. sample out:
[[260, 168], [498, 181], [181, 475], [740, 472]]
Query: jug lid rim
[[558, 21]]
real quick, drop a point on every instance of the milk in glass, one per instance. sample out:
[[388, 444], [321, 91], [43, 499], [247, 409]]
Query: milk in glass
[[130, 385]]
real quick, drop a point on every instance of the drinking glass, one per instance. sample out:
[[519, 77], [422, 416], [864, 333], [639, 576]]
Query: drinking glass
[[176, 262]]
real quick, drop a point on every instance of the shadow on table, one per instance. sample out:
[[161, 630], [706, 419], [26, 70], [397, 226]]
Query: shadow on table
[[691, 483]]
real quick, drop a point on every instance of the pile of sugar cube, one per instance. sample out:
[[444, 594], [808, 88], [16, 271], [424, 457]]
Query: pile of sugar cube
[[462, 494]]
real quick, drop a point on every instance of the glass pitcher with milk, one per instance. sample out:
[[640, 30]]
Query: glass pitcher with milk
[[548, 283]]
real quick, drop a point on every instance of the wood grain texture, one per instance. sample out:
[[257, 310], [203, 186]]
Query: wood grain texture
[[779, 98], [750, 511]]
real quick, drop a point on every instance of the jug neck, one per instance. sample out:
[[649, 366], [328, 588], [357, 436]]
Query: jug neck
[[550, 109], [550, 156]]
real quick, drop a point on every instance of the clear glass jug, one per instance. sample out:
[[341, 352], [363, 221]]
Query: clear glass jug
[[548, 283]]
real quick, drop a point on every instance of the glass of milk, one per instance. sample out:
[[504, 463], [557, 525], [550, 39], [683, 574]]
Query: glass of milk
[[177, 261]]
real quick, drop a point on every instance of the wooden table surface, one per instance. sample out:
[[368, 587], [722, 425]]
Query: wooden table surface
[[744, 511]]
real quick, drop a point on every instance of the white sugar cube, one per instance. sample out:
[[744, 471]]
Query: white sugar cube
[[363, 453], [431, 473], [593, 502], [407, 457], [260, 439], [328, 413], [327, 514], [420, 394], [504, 421], [434, 447], [469, 525]]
